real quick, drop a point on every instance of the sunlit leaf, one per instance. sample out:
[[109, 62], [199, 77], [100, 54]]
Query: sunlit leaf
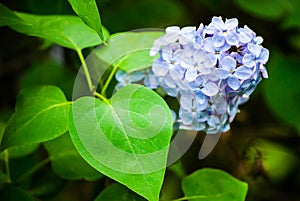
[[88, 11], [126, 139], [65, 30], [66, 160], [213, 184], [41, 115], [132, 47]]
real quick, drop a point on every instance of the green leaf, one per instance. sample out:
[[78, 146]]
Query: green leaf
[[172, 186], [41, 115], [2, 129], [124, 15], [48, 7], [13, 193], [88, 11], [22, 150], [282, 88], [271, 155], [292, 19], [65, 30], [49, 72], [118, 192], [47, 184], [133, 47], [138, 60], [212, 184], [126, 139], [66, 161], [264, 8], [7, 17]]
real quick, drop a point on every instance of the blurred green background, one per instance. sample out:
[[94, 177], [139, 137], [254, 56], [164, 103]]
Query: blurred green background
[[263, 146]]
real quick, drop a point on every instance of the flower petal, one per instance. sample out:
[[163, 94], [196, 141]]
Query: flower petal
[[264, 56], [248, 60], [228, 63], [156, 47], [243, 73], [213, 120], [171, 34], [245, 35], [191, 74], [136, 76], [254, 49], [160, 68], [151, 81], [218, 23], [120, 75], [233, 83], [186, 117], [231, 23], [232, 38], [210, 60], [218, 40], [210, 89], [208, 45], [223, 74]]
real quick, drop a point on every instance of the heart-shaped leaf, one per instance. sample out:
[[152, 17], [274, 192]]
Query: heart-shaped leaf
[[41, 115], [212, 184], [66, 161], [88, 11], [126, 139], [65, 30]]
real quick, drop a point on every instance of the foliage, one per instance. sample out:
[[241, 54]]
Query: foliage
[[83, 140]]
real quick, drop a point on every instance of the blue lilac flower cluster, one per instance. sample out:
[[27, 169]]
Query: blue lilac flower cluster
[[211, 70]]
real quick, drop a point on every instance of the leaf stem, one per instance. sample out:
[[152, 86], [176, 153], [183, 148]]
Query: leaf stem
[[6, 161], [102, 97], [86, 71], [111, 75], [107, 82], [33, 169]]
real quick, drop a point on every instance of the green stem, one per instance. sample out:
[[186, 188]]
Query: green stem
[[6, 161], [102, 97], [86, 71], [33, 169], [107, 82], [111, 75]]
